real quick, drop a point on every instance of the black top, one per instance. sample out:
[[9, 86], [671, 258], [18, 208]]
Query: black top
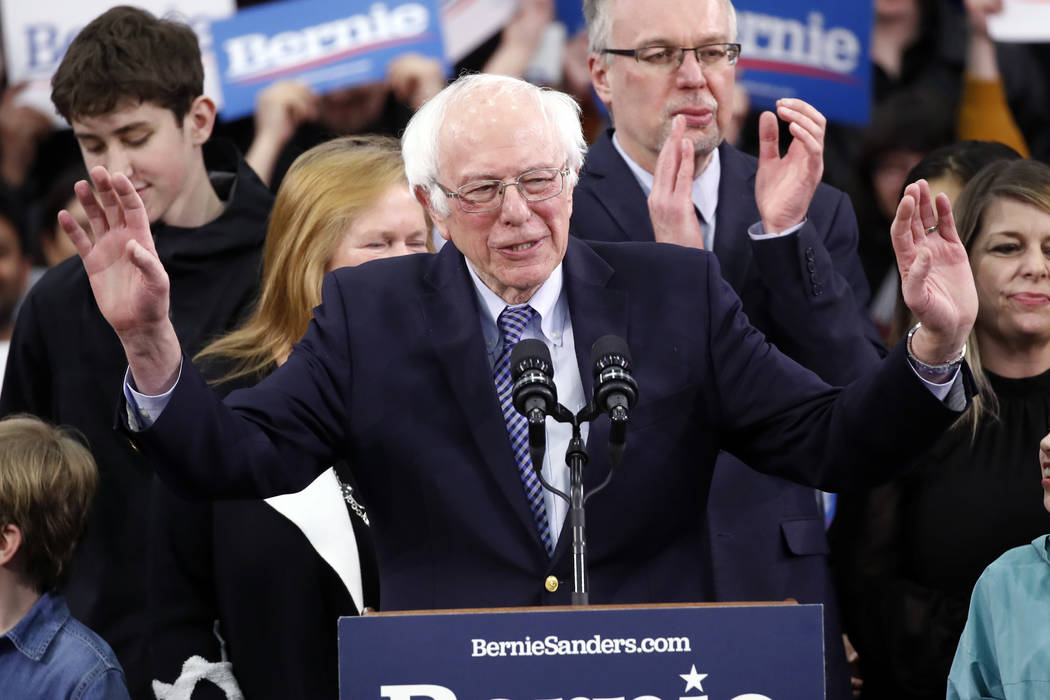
[[66, 366], [918, 545], [247, 566]]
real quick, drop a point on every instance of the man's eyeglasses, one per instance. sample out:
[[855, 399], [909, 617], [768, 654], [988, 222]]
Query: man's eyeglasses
[[486, 195], [669, 58]]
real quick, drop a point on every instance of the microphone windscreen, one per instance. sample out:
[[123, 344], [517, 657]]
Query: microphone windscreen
[[606, 346], [530, 354]]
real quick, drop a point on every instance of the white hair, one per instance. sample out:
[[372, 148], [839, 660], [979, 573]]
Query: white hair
[[599, 26], [421, 140]]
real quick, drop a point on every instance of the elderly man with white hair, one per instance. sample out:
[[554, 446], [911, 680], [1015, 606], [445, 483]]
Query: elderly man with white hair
[[403, 373]]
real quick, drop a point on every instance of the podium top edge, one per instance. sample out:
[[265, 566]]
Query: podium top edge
[[559, 608]]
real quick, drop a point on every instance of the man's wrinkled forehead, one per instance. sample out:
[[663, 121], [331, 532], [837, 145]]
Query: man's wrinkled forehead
[[490, 121], [651, 27]]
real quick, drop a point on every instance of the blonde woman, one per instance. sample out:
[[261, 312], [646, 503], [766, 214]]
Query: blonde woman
[[270, 578]]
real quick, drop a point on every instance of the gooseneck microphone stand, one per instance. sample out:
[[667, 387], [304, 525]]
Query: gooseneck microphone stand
[[576, 459], [535, 396]]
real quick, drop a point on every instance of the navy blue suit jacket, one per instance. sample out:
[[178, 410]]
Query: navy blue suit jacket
[[808, 294], [393, 376]]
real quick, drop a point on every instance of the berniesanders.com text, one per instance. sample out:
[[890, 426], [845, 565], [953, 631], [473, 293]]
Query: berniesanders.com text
[[552, 645]]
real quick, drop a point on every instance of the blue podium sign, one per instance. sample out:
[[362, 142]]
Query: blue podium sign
[[704, 652]]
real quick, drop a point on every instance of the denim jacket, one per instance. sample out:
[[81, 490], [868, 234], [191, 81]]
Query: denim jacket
[[51, 656]]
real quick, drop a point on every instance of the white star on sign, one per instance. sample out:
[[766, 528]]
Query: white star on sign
[[692, 679]]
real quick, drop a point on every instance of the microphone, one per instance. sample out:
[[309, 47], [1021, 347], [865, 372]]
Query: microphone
[[615, 389], [534, 394]]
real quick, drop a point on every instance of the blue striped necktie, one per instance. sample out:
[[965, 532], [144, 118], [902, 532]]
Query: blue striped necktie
[[512, 322]]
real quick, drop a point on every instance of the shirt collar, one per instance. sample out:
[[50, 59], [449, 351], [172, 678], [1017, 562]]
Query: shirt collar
[[35, 632], [548, 302], [705, 185]]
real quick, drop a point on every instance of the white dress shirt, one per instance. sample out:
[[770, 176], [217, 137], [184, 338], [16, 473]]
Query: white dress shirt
[[552, 325]]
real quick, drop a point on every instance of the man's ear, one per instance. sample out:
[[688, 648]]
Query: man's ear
[[599, 68], [422, 196], [10, 542], [200, 120]]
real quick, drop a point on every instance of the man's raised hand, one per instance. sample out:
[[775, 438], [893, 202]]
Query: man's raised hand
[[670, 202], [126, 276], [936, 279], [784, 186]]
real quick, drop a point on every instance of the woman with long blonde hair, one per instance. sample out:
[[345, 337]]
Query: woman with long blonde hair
[[255, 588], [323, 220]]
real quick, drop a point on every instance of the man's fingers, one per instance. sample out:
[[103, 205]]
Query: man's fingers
[[813, 143], [684, 180], [901, 235], [667, 162], [95, 216], [946, 219], [914, 220], [802, 108], [106, 196], [768, 137], [802, 120], [130, 203], [927, 216], [81, 241], [147, 263]]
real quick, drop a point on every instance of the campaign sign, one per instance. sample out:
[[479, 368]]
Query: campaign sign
[[816, 50], [37, 33], [324, 44], [749, 652]]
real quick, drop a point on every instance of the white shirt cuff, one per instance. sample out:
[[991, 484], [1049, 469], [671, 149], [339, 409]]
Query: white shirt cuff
[[757, 233], [144, 410], [950, 392]]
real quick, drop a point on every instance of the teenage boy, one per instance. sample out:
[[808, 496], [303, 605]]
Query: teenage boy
[[47, 479], [131, 86]]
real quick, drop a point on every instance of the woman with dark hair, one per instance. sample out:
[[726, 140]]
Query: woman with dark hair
[[910, 552]]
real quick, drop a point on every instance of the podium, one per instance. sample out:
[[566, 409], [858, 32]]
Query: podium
[[653, 652]]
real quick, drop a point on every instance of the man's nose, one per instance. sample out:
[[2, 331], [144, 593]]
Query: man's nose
[[515, 207], [690, 73]]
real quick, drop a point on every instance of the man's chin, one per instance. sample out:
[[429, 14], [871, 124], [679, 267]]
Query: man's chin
[[704, 143]]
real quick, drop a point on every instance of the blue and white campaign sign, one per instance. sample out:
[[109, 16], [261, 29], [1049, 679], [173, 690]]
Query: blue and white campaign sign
[[324, 44], [761, 652], [38, 32], [816, 50]]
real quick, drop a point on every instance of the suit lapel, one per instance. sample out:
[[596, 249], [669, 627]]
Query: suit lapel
[[736, 212], [451, 316], [616, 188]]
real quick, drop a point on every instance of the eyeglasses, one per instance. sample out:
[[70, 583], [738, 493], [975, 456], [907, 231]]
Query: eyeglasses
[[487, 195], [669, 58]]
